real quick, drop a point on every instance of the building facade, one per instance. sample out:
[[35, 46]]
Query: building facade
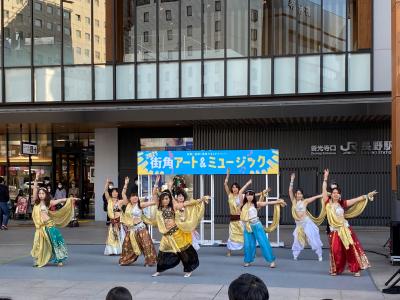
[[103, 79]]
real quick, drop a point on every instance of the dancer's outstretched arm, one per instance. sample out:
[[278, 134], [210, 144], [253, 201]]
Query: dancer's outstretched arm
[[291, 194], [325, 184], [226, 187], [369, 196], [312, 199]]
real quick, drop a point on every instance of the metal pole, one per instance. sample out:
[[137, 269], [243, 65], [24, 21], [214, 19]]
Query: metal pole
[[212, 211], [201, 195]]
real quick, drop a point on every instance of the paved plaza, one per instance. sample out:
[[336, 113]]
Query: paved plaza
[[89, 275]]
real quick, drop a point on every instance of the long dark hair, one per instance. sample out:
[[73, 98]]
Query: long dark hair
[[235, 184], [181, 192], [162, 195], [134, 194], [254, 201], [113, 189], [46, 199]]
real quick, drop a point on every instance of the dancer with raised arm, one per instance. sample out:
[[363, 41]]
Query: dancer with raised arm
[[137, 238], [306, 231], [254, 231], [114, 237], [344, 244], [235, 240], [176, 227], [48, 244]]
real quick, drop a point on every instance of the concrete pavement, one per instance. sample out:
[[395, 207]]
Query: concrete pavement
[[89, 275]]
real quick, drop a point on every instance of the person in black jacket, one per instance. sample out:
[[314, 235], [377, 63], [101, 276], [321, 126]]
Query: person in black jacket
[[105, 203], [4, 198]]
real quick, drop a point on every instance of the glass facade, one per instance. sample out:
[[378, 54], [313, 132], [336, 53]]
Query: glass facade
[[108, 50], [64, 157]]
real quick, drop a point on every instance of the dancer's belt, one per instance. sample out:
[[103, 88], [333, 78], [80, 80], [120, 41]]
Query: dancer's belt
[[235, 218], [139, 226], [172, 231], [254, 220]]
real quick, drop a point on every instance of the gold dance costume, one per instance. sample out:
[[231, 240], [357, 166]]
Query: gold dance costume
[[235, 241], [48, 243], [176, 242], [113, 242], [137, 239]]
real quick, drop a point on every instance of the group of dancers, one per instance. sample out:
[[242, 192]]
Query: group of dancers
[[177, 217]]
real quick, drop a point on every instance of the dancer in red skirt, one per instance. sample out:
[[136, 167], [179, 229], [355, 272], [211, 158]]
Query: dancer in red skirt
[[344, 244]]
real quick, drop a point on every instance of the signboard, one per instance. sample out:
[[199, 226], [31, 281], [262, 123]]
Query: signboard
[[205, 162], [352, 148], [29, 148]]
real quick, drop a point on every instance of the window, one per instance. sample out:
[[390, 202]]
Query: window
[[20, 18], [169, 35], [6, 14], [190, 51], [146, 16], [78, 33], [97, 23], [97, 38], [87, 52], [58, 27], [254, 15], [6, 32], [217, 5], [217, 26], [170, 54], [145, 36], [78, 50], [168, 15], [78, 18], [189, 30], [87, 20], [254, 34], [253, 51], [67, 15], [217, 45], [189, 10], [38, 23], [50, 26], [67, 31], [87, 36], [50, 10], [38, 6]]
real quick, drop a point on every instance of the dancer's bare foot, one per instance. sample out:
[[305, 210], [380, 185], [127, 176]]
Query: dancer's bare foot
[[272, 265], [333, 274], [246, 265], [357, 274], [188, 274], [156, 274], [229, 253], [60, 264]]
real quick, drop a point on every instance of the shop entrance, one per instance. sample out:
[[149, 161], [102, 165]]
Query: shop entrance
[[73, 164]]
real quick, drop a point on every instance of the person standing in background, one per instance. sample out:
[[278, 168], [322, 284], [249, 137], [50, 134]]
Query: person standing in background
[[4, 198]]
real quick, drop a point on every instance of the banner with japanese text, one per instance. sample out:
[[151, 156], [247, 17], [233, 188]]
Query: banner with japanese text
[[205, 162]]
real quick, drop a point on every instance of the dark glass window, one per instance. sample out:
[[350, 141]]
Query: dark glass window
[[189, 10]]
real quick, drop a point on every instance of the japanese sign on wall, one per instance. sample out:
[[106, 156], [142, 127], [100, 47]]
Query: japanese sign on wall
[[209, 162], [349, 148]]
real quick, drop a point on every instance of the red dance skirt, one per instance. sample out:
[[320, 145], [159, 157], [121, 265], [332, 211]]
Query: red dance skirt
[[339, 255]]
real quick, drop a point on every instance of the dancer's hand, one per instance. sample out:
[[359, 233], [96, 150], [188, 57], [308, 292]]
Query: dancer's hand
[[292, 177], [371, 195], [326, 174], [126, 180]]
